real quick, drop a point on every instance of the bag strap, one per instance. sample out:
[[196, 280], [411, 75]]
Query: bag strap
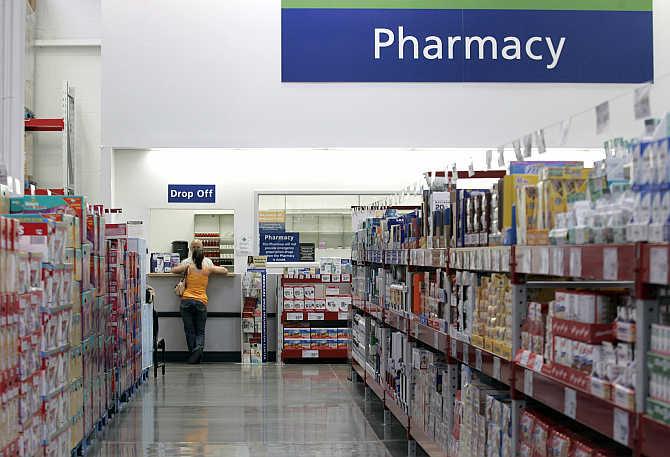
[[186, 275]]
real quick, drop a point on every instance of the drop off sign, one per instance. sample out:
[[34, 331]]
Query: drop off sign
[[191, 193]]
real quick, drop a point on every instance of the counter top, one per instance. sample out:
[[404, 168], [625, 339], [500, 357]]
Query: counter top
[[172, 275]]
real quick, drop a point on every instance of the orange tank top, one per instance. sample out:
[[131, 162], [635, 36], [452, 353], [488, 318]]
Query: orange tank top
[[196, 285]]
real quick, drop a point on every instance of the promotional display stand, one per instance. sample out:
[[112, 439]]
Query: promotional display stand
[[314, 319], [254, 314]]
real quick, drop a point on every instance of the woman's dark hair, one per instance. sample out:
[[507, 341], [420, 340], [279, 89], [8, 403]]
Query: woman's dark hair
[[198, 255]]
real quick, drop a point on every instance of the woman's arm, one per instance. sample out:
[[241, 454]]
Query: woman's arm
[[218, 270], [179, 269]]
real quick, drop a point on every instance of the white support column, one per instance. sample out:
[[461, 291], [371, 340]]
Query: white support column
[[12, 89]]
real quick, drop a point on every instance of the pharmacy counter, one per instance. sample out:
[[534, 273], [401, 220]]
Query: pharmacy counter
[[222, 334]]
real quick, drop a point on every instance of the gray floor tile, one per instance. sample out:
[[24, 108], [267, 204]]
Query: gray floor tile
[[222, 410]]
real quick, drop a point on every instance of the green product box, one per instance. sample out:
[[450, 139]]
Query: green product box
[[659, 364]]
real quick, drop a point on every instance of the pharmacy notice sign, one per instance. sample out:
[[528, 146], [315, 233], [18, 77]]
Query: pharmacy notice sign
[[280, 246], [562, 41], [191, 193]]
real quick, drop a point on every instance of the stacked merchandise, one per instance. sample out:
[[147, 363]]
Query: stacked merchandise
[[50, 232], [125, 321], [314, 318], [461, 297], [482, 420], [492, 320], [398, 352], [358, 333], [545, 435], [431, 404], [56, 273], [254, 319], [16, 369], [658, 403], [576, 338]]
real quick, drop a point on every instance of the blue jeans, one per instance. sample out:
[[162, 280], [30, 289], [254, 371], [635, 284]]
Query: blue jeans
[[194, 315]]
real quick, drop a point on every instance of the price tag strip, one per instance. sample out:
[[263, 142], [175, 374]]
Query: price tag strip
[[315, 316], [478, 359], [621, 431], [497, 370], [528, 382], [570, 403], [310, 354]]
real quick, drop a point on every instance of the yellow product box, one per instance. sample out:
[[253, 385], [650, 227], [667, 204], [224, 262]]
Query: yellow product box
[[537, 237], [553, 200], [477, 341], [510, 185], [75, 329], [76, 430], [76, 397], [75, 297], [76, 368], [526, 212]]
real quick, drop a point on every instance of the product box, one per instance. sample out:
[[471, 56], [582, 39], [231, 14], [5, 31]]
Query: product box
[[160, 262], [511, 183], [40, 204], [292, 344], [292, 333], [319, 333], [288, 304]]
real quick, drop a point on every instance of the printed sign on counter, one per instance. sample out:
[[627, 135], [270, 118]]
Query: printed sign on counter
[[280, 246], [191, 193]]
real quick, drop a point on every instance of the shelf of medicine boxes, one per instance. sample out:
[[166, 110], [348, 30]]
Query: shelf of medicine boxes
[[588, 262], [548, 384]]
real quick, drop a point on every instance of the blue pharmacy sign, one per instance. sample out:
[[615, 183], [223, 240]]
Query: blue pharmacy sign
[[536, 41], [280, 246], [191, 193]]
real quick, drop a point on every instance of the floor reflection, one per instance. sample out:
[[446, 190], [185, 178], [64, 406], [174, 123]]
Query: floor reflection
[[230, 410]]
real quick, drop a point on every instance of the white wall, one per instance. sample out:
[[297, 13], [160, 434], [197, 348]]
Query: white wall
[[206, 73], [62, 27]]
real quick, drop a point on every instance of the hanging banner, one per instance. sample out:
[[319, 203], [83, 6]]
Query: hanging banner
[[568, 41]]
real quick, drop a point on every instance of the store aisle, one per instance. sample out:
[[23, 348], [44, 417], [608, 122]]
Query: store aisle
[[233, 410]]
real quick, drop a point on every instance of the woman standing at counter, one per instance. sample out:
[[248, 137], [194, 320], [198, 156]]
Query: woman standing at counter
[[194, 299]]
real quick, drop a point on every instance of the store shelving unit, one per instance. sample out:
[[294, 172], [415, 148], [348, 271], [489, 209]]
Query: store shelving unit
[[217, 234], [637, 268], [318, 328], [66, 125]]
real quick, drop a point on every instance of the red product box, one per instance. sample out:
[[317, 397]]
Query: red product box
[[575, 378], [587, 333]]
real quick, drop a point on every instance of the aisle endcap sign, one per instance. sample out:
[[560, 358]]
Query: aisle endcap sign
[[191, 193], [576, 41]]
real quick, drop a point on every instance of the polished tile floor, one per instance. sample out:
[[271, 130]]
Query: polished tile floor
[[222, 410]]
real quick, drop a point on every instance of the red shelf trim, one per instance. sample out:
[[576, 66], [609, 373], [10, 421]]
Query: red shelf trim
[[44, 125], [296, 354]]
